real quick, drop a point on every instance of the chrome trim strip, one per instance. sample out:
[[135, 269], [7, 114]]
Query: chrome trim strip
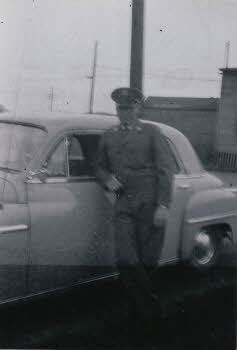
[[81, 179], [13, 228], [172, 261], [56, 180], [49, 180], [34, 181], [59, 289], [189, 176], [211, 217]]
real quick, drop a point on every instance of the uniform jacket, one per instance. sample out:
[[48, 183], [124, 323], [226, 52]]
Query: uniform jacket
[[136, 151]]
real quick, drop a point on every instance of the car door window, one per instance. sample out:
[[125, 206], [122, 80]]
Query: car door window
[[173, 156], [82, 150], [56, 163]]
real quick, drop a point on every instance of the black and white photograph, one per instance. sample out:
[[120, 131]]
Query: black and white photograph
[[118, 174]]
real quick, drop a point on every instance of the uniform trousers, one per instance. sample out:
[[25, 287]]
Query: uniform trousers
[[137, 243]]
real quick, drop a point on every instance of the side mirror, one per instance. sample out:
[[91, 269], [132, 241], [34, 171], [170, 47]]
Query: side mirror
[[40, 174]]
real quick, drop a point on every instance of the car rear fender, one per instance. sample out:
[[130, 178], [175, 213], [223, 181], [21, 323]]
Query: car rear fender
[[215, 208]]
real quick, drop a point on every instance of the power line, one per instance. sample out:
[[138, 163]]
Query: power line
[[160, 74], [113, 68]]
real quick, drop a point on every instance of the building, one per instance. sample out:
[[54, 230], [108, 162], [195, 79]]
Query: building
[[226, 130], [194, 117]]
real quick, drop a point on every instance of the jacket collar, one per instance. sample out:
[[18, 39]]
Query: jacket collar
[[131, 126]]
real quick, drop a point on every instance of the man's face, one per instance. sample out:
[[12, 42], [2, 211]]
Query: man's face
[[126, 113]]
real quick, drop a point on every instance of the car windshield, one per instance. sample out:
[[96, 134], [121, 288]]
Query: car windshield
[[18, 145]]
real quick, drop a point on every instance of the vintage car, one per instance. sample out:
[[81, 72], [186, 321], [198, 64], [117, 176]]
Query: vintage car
[[56, 229]]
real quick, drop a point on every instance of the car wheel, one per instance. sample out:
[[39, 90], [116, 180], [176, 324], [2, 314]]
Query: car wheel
[[206, 250]]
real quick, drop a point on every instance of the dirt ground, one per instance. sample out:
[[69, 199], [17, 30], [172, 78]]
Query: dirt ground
[[200, 315]]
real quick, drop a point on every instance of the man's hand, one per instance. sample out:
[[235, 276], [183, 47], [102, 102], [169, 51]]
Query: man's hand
[[113, 184], [111, 197], [161, 216]]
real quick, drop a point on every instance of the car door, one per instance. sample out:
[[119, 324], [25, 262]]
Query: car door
[[181, 192], [182, 189], [93, 210], [14, 238], [71, 240]]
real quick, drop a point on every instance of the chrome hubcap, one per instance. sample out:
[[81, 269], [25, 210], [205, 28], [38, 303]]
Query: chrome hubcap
[[204, 248]]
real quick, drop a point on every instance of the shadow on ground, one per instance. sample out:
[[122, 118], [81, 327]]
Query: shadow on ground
[[200, 309]]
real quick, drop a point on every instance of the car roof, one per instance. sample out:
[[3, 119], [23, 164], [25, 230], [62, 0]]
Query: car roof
[[55, 122]]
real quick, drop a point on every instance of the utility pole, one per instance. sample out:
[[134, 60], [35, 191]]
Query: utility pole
[[136, 60], [93, 77], [51, 98], [3, 109], [227, 54]]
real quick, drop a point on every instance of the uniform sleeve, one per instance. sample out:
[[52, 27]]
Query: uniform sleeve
[[164, 168], [102, 168]]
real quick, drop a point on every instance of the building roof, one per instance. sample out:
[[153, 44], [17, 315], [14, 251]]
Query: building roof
[[182, 103], [232, 71]]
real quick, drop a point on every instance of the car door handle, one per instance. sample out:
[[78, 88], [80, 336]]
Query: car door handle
[[13, 228], [184, 187]]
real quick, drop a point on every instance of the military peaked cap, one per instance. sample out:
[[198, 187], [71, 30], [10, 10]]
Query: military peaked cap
[[127, 96]]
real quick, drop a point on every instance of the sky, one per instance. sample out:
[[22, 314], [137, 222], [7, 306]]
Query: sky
[[47, 47]]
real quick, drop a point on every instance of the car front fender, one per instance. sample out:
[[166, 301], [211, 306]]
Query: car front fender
[[210, 208]]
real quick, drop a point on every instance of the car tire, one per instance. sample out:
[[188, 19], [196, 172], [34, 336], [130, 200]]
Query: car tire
[[206, 249]]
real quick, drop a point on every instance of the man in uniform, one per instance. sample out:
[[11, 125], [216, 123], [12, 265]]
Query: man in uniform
[[133, 163]]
